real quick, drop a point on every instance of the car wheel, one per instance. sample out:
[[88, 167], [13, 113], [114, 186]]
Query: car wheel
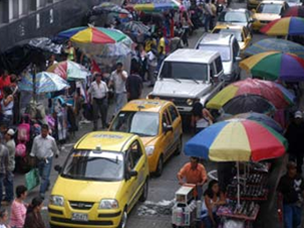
[[124, 219], [179, 146], [144, 194], [160, 167]]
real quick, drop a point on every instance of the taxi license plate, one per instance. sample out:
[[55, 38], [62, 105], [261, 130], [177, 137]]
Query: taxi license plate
[[80, 217]]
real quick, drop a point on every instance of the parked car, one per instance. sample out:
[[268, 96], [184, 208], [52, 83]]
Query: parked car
[[158, 124], [103, 177], [188, 75], [241, 33], [268, 11], [292, 3], [229, 49], [242, 17]]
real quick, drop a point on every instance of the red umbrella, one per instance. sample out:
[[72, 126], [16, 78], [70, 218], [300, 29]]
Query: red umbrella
[[295, 11]]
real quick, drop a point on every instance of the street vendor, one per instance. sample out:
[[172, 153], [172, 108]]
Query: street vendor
[[193, 173]]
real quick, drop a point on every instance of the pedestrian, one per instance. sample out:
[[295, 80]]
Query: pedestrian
[[152, 65], [194, 173], [134, 83], [295, 135], [5, 80], [208, 14], [118, 80], [43, 149], [4, 165], [142, 56], [18, 209], [33, 217], [201, 117], [99, 98], [213, 199], [9, 177], [291, 186], [185, 26], [7, 105], [70, 52], [213, 15], [4, 219]]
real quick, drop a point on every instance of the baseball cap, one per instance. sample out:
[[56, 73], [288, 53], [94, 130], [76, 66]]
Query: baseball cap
[[298, 114], [10, 132]]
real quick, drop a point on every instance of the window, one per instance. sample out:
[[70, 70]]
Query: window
[[134, 154], [1, 12], [166, 119], [218, 65], [222, 49], [173, 113], [235, 48], [13, 9]]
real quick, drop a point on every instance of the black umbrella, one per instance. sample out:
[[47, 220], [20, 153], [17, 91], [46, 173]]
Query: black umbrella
[[248, 103], [108, 7], [26, 52], [136, 27]]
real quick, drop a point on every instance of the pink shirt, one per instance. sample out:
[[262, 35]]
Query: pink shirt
[[18, 212]]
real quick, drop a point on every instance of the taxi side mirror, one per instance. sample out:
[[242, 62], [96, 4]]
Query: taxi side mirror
[[130, 174], [167, 128], [58, 168]]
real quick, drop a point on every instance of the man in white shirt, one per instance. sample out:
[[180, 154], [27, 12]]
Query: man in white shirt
[[99, 94], [118, 80], [43, 149]]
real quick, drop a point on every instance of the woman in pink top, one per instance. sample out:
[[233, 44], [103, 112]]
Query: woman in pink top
[[18, 209]]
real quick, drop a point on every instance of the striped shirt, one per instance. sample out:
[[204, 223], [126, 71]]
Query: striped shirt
[[18, 213]]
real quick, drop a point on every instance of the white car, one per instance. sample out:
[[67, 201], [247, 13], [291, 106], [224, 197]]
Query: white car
[[189, 75]]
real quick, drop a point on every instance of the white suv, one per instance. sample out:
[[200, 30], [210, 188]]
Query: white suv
[[188, 75]]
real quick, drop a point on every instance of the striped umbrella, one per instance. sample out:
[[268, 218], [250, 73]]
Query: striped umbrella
[[275, 65], [69, 70], [45, 82], [284, 26], [273, 44]]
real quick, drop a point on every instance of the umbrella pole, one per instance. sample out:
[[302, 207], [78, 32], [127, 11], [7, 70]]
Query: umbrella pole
[[238, 184]]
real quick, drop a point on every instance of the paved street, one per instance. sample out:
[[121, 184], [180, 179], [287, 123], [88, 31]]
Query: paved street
[[162, 188]]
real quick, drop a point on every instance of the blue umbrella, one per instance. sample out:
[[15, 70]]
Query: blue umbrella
[[45, 82], [273, 44]]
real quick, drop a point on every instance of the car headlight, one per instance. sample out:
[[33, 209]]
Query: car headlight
[[57, 200], [149, 150], [108, 204], [190, 102]]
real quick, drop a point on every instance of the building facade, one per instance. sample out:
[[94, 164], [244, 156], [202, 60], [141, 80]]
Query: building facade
[[25, 19]]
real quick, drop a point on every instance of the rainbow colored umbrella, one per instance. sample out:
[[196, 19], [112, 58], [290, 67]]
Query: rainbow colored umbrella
[[279, 97], [295, 11], [69, 70], [156, 6], [95, 35], [275, 65], [274, 44], [284, 26], [238, 140]]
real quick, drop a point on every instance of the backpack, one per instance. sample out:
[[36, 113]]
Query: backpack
[[21, 150], [24, 132]]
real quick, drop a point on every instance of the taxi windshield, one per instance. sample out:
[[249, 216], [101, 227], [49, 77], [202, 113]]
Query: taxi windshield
[[270, 8], [237, 33], [94, 165], [233, 17], [136, 122]]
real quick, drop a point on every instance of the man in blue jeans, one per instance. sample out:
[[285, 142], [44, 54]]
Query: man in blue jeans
[[44, 148], [291, 186]]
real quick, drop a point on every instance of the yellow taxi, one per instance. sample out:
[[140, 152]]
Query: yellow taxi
[[268, 11], [159, 125], [241, 33], [103, 177]]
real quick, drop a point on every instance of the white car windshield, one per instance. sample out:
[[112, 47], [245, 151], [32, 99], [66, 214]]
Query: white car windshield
[[270, 8], [94, 165], [136, 122], [223, 50], [236, 33], [233, 17], [185, 70]]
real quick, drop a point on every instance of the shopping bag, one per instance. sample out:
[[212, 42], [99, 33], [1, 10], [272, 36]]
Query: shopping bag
[[32, 179]]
